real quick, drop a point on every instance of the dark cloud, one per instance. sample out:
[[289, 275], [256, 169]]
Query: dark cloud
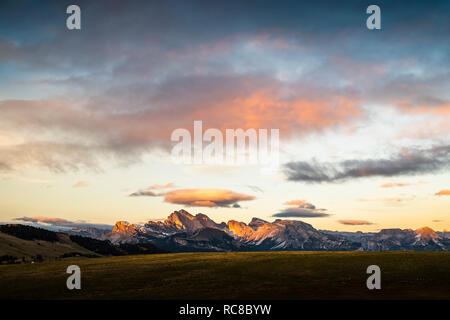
[[408, 162], [149, 190], [355, 222], [58, 222], [301, 213], [146, 193], [302, 209]]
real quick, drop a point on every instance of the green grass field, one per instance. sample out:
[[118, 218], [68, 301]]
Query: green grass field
[[244, 275]]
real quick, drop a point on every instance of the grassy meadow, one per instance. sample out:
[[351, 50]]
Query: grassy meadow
[[236, 275]]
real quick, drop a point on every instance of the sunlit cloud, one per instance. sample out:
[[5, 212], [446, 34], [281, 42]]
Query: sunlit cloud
[[206, 197], [395, 184], [158, 186], [397, 199], [445, 192], [80, 184], [300, 203]]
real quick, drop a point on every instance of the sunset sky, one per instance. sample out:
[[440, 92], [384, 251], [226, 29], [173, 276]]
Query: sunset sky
[[86, 115]]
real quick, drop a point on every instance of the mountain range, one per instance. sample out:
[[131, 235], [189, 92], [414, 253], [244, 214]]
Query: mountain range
[[182, 232]]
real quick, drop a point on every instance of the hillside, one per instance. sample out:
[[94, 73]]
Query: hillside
[[29, 250], [21, 243], [236, 275]]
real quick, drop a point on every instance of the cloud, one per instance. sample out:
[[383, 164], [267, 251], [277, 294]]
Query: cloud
[[437, 220], [205, 197], [255, 188], [443, 193], [80, 184], [300, 203], [407, 162], [149, 193], [355, 222], [123, 81], [389, 199], [157, 186], [395, 184], [81, 135], [58, 222], [304, 209], [146, 193], [301, 213]]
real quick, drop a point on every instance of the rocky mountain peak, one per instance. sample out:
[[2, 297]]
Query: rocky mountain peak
[[124, 227], [240, 229], [182, 231], [256, 223], [427, 233]]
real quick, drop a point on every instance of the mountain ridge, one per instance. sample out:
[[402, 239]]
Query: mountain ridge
[[179, 229], [184, 232]]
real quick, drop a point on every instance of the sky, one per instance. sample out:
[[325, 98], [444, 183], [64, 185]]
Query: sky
[[86, 116]]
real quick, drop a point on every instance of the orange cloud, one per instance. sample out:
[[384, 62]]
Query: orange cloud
[[395, 184], [443, 193], [355, 222], [300, 203], [266, 109], [224, 103], [441, 108], [157, 186], [205, 197], [80, 184]]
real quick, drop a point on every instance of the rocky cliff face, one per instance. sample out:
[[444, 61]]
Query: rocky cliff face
[[182, 221], [181, 231]]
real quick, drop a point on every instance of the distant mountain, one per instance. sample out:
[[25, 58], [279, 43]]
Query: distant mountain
[[423, 239], [89, 232]]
